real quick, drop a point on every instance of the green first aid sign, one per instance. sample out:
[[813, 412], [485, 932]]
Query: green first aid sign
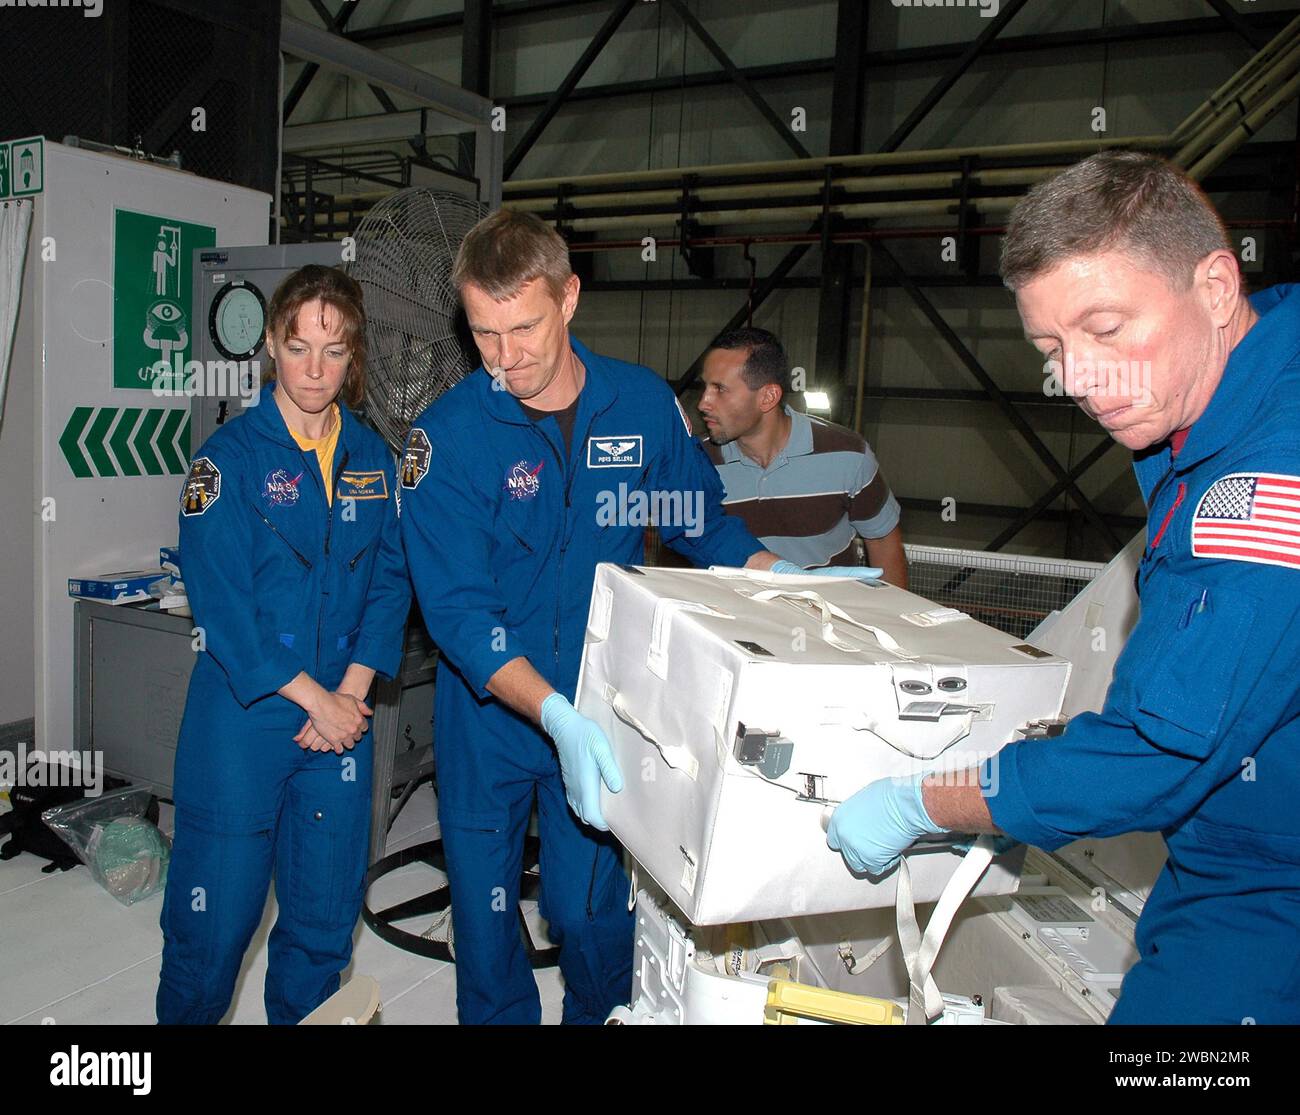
[[153, 318]]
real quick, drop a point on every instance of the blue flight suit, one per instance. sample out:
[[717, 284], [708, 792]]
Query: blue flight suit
[[280, 583], [1199, 737], [503, 531]]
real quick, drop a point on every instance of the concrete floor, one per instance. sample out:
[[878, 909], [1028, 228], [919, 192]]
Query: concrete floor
[[72, 954]]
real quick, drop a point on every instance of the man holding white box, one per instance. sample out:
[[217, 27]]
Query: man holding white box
[[1126, 281], [515, 484]]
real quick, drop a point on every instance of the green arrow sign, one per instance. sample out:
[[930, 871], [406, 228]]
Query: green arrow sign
[[152, 441]]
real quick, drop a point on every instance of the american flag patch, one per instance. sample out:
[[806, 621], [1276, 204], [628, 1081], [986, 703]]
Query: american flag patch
[[1250, 517]]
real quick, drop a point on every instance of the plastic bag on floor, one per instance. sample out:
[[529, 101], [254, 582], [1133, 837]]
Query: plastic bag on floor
[[126, 853]]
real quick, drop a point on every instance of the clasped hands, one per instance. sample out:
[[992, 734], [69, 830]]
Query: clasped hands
[[336, 721]]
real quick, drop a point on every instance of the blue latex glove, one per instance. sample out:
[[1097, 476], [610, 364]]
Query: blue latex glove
[[880, 822], [585, 758], [867, 573]]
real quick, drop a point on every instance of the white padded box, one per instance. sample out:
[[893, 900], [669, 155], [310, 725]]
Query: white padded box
[[742, 707]]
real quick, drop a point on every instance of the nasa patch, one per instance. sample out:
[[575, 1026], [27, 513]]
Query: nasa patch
[[279, 489], [522, 480], [202, 487], [623, 451], [415, 458]]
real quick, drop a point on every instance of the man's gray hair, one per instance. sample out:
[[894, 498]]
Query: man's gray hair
[[1128, 201]]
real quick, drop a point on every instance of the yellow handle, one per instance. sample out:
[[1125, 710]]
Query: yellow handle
[[788, 1002]]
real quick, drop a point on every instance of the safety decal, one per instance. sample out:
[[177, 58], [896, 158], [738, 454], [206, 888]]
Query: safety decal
[[279, 489], [202, 487], [523, 480], [415, 458], [1250, 516], [363, 485], [623, 451]]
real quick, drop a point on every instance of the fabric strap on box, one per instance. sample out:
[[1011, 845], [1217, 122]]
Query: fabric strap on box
[[925, 1003], [829, 614], [677, 757]]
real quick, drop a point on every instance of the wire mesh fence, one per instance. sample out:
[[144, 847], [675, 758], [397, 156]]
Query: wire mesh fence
[[1012, 593]]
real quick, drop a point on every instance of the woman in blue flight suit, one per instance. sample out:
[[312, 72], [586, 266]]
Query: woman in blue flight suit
[[294, 568]]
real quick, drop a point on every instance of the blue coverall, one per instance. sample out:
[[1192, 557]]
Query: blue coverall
[[280, 583], [503, 531], [1199, 737]]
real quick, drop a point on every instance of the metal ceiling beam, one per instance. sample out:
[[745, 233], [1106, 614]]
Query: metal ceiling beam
[[968, 56], [453, 20], [315, 44], [475, 59], [566, 87], [1018, 422], [1233, 19], [782, 127], [848, 97], [671, 83], [381, 127], [335, 24], [1040, 505], [476, 47], [874, 61], [766, 287]]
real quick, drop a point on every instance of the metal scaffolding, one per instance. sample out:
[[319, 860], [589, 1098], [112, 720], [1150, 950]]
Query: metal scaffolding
[[834, 202]]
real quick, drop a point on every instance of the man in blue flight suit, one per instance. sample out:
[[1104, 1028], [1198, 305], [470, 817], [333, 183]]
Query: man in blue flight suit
[[293, 565], [1125, 279], [507, 483]]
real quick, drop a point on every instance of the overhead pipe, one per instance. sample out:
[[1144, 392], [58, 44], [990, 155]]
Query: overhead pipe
[[864, 335], [1244, 130], [802, 213], [1240, 107], [808, 166], [1262, 59], [936, 180]]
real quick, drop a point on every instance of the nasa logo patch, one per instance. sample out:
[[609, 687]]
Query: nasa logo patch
[[522, 480], [279, 489]]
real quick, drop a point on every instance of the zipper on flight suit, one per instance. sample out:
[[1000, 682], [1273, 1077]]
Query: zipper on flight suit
[[568, 509], [282, 538], [1148, 557], [329, 524], [559, 576]]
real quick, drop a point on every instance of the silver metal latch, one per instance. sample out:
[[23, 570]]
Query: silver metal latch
[[814, 788], [769, 752]]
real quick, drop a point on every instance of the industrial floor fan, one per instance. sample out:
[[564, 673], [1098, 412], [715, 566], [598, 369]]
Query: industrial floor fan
[[417, 347]]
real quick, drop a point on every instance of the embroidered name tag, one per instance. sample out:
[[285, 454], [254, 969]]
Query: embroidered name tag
[[614, 452], [362, 485]]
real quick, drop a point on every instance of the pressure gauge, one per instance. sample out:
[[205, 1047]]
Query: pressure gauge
[[237, 320]]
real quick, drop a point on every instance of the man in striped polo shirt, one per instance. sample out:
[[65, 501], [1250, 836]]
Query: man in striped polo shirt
[[803, 486]]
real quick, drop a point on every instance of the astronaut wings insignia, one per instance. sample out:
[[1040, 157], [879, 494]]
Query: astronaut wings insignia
[[623, 451]]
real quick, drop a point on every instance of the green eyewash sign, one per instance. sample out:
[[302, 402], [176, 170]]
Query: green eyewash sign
[[152, 316]]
